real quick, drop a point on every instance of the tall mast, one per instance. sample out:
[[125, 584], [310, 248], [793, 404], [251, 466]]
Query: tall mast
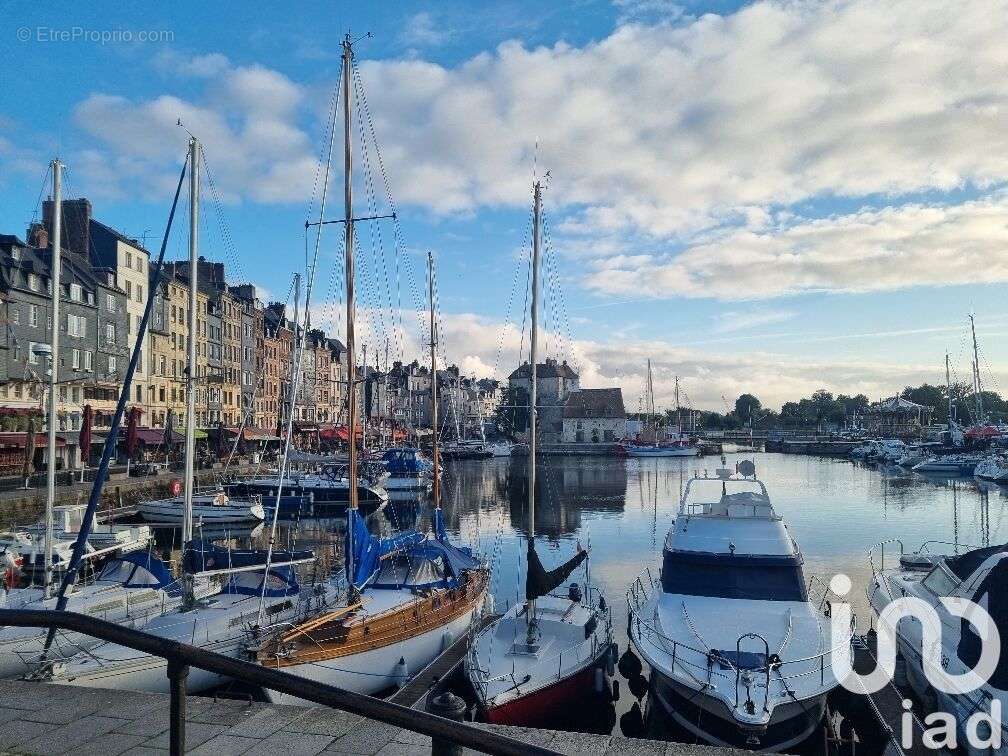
[[651, 405], [190, 440], [57, 245], [349, 265], [948, 390], [978, 399], [436, 493], [533, 386], [678, 409]]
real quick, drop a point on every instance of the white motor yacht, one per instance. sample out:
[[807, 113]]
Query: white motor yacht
[[949, 464], [739, 654], [210, 509], [980, 576], [993, 467]]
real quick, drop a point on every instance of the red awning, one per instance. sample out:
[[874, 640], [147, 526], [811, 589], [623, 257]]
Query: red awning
[[982, 431], [18, 440]]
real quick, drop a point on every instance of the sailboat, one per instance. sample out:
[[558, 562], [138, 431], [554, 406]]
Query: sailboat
[[221, 607], [544, 653], [681, 447], [408, 596], [128, 589]]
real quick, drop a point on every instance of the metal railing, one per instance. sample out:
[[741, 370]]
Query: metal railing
[[180, 657], [701, 664], [588, 650]]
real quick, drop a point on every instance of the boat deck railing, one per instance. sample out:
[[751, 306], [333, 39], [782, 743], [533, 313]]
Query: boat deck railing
[[702, 665], [586, 650], [180, 657], [923, 550]]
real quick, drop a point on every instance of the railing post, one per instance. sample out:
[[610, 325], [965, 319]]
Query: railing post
[[177, 674], [452, 707]]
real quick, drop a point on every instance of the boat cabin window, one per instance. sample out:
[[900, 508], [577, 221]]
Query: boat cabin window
[[940, 581], [734, 577]]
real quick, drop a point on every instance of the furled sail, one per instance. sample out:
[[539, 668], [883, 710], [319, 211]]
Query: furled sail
[[540, 581]]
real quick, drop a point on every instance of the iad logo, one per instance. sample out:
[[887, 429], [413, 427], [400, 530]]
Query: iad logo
[[983, 729]]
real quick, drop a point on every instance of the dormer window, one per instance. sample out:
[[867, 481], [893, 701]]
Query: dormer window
[[33, 282], [76, 293], [15, 254]]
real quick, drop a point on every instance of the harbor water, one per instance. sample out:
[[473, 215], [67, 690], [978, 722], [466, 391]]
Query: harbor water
[[621, 509]]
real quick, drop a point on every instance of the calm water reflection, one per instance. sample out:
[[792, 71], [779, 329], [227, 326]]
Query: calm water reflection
[[835, 509], [622, 509]]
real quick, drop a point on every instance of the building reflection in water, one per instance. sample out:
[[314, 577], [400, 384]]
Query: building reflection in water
[[565, 487]]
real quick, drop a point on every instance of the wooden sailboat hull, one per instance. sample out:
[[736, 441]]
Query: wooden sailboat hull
[[377, 670], [363, 654]]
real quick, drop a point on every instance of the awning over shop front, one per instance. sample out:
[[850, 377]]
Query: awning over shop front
[[19, 440], [259, 434]]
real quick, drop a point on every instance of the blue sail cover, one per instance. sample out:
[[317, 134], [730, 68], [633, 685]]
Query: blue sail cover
[[201, 556], [369, 549], [140, 570], [282, 581], [406, 462]]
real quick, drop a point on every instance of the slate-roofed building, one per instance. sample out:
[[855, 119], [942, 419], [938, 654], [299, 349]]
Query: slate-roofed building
[[594, 416], [554, 382]]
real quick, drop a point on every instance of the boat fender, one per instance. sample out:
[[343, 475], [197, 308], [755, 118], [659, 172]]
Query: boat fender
[[629, 665], [401, 672], [611, 657], [447, 638], [638, 686], [488, 603], [574, 593], [175, 486], [602, 605], [615, 690], [827, 609], [599, 680], [632, 723]]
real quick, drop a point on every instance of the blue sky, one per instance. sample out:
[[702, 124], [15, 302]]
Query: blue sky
[[769, 197]]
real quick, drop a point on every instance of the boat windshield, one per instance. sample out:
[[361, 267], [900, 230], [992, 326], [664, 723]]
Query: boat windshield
[[734, 577], [940, 581]]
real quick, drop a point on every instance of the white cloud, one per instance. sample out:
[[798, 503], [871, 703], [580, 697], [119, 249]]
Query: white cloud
[[484, 346], [669, 129], [679, 151], [743, 320], [646, 11], [174, 63], [248, 124], [871, 250], [422, 29]]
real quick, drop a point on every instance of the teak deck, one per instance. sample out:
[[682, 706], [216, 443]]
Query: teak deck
[[346, 632]]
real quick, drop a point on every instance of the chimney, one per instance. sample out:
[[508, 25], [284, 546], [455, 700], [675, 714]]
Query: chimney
[[76, 224], [38, 237]]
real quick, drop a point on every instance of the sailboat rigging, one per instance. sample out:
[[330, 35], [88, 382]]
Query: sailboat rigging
[[411, 592], [681, 447], [219, 609], [542, 653]]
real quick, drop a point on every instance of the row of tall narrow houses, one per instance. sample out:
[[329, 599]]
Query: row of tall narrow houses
[[244, 346], [244, 350]]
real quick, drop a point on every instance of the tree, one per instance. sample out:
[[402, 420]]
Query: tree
[[512, 414], [745, 406]]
